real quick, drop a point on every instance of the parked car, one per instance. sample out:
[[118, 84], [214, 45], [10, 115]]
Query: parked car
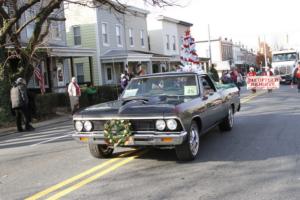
[[165, 110]]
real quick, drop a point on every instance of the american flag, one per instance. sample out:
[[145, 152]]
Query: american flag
[[38, 74]]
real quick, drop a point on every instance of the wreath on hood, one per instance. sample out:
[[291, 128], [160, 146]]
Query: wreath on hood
[[117, 132]]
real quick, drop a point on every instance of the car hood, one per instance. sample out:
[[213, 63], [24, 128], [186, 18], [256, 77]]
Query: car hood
[[130, 108]]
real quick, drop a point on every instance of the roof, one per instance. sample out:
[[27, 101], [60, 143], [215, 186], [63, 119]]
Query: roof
[[284, 51], [124, 54], [176, 21], [69, 51]]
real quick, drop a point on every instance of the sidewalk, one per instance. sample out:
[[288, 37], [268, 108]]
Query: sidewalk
[[59, 119]]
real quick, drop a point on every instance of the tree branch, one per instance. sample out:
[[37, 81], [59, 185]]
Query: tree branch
[[15, 19]]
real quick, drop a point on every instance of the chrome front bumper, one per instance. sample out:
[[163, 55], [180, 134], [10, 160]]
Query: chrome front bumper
[[138, 139]]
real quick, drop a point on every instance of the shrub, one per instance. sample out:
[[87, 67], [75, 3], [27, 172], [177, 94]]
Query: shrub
[[46, 104]]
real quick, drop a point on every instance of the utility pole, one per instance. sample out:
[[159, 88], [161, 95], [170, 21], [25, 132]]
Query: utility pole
[[265, 51], [209, 46]]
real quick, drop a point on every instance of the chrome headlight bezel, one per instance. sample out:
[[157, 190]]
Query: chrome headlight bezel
[[78, 126], [88, 126], [160, 124], [172, 124]]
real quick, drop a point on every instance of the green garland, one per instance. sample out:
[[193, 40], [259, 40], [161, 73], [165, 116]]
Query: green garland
[[117, 132]]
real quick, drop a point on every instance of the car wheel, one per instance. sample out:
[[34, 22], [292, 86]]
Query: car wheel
[[189, 149], [228, 121], [100, 150]]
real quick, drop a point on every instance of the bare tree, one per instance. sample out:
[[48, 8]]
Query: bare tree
[[17, 58]]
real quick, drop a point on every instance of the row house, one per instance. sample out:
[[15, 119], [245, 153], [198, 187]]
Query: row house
[[120, 40], [166, 35], [55, 56], [243, 58], [123, 40], [226, 54], [219, 50]]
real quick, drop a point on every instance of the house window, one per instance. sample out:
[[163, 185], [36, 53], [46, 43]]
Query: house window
[[56, 30], [77, 36], [109, 74], [168, 42], [142, 36], [80, 72], [29, 14], [118, 35], [104, 33], [130, 31], [174, 43]]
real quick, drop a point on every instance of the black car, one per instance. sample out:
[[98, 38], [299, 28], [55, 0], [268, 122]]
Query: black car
[[164, 110]]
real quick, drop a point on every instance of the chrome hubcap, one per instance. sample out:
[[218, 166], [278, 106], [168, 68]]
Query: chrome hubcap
[[230, 117], [194, 141]]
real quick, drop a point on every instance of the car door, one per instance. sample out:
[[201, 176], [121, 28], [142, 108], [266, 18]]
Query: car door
[[213, 101]]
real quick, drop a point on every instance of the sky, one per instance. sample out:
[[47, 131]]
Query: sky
[[277, 21]]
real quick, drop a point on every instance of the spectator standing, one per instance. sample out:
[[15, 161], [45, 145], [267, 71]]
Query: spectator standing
[[90, 91], [234, 76], [297, 76], [124, 82], [19, 102], [74, 94], [252, 73], [139, 70], [226, 78]]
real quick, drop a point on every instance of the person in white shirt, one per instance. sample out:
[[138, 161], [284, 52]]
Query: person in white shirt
[[74, 94]]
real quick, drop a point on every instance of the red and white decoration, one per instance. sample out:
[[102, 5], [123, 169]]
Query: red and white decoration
[[188, 52], [188, 56]]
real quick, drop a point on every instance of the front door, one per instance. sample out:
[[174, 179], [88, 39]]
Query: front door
[[108, 73]]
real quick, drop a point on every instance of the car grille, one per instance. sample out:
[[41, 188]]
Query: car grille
[[137, 125], [282, 70]]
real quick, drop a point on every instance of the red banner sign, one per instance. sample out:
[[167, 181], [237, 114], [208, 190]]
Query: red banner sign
[[263, 82]]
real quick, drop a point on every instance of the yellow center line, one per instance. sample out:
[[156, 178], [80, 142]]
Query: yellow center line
[[94, 177], [77, 177], [248, 98]]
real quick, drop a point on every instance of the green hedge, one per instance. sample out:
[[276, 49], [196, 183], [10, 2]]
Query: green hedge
[[46, 104]]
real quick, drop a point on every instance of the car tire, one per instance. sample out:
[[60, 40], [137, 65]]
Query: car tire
[[228, 121], [100, 150], [189, 149]]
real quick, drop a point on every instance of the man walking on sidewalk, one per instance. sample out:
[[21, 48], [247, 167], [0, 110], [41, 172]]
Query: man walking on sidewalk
[[19, 104]]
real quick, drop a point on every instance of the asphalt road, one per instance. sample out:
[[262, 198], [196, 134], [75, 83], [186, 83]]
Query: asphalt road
[[258, 159]]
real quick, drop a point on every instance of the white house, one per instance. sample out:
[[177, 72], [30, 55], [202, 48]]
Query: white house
[[165, 36]]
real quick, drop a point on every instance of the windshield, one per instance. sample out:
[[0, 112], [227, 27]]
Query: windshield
[[284, 57], [163, 85]]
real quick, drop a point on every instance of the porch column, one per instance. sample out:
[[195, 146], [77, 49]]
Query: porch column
[[149, 67], [91, 69], [205, 67], [72, 67]]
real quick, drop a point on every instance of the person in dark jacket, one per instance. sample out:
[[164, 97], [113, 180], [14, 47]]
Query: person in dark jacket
[[124, 82], [19, 101]]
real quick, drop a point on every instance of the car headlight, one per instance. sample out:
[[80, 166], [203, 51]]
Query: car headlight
[[171, 124], [78, 126], [88, 126], [160, 125]]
